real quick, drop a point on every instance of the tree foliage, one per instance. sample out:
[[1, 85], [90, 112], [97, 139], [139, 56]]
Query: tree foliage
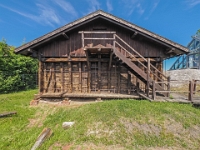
[[17, 72], [198, 31]]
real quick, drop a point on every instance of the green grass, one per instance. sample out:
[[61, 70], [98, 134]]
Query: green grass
[[125, 124]]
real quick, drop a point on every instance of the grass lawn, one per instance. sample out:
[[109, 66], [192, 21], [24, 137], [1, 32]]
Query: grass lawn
[[115, 124]]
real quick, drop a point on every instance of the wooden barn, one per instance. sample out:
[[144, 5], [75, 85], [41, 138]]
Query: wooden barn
[[101, 56]]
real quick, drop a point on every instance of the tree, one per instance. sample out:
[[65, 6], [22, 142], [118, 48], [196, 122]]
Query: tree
[[17, 72], [198, 31]]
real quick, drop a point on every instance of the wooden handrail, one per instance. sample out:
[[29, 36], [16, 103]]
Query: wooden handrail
[[131, 47], [139, 56], [158, 71], [130, 54]]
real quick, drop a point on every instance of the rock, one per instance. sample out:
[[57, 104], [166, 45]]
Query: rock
[[67, 125]]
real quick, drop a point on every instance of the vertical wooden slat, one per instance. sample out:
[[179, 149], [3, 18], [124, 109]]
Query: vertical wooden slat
[[41, 77], [148, 76], [70, 77], [109, 80], [82, 36], [195, 84], [89, 71], [109, 71], [62, 77], [137, 85], [153, 90], [129, 83], [51, 81], [80, 77], [190, 95], [118, 78], [99, 73], [45, 79], [168, 86]]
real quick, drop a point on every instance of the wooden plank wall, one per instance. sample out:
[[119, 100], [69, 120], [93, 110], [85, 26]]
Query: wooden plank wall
[[72, 77], [61, 47]]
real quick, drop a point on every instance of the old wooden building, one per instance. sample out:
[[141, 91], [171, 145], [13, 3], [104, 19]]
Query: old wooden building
[[101, 56]]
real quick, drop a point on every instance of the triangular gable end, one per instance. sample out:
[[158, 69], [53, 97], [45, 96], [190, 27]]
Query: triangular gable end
[[176, 48]]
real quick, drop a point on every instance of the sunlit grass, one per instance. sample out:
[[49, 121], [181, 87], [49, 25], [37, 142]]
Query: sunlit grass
[[128, 124]]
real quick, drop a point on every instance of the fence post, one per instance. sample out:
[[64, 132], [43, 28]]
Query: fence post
[[194, 89], [191, 87], [153, 90], [137, 86], [148, 76], [168, 86]]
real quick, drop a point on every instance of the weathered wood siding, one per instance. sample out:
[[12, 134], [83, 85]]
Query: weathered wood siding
[[64, 47], [72, 77]]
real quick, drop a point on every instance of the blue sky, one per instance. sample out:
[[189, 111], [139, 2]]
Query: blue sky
[[24, 20]]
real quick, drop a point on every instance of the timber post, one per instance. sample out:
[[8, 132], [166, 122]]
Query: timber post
[[168, 86], [195, 85], [148, 76], [153, 90], [137, 86], [191, 87]]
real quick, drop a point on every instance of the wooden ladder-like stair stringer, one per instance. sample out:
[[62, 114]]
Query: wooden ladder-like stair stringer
[[141, 74]]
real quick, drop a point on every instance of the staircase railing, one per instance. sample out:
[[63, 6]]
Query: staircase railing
[[130, 53], [133, 53]]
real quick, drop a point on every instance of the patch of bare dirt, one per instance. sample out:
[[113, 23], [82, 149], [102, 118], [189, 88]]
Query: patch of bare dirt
[[146, 128], [40, 116], [99, 130], [56, 145]]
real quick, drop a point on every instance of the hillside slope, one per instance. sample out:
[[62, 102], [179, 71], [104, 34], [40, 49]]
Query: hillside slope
[[115, 124]]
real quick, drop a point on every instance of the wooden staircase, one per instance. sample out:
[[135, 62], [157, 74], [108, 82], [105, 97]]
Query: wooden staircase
[[154, 80], [147, 75]]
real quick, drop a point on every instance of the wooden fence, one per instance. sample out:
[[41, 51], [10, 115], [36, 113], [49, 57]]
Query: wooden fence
[[191, 86]]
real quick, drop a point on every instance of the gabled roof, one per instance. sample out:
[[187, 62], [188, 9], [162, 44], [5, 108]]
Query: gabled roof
[[108, 17]]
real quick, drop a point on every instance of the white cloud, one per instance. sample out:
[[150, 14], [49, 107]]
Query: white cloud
[[192, 3], [133, 6], [94, 5], [46, 15], [140, 10], [67, 7], [155, 5], [109, 5]]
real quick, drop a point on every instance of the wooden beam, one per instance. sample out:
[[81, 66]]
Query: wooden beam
[[129, 83], [99, 73], [41, 77], [191, 87], [118, 78], [45, 79], [45, 134], [65, 36], [153, 90], [137, 85], [168, 86], [171, 50], [64, 59], [148, 77], [82, 37], [80, 76], [51, 82], [134, 35], [70, 76], [62, 76], [97, 32], [5, 114]]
